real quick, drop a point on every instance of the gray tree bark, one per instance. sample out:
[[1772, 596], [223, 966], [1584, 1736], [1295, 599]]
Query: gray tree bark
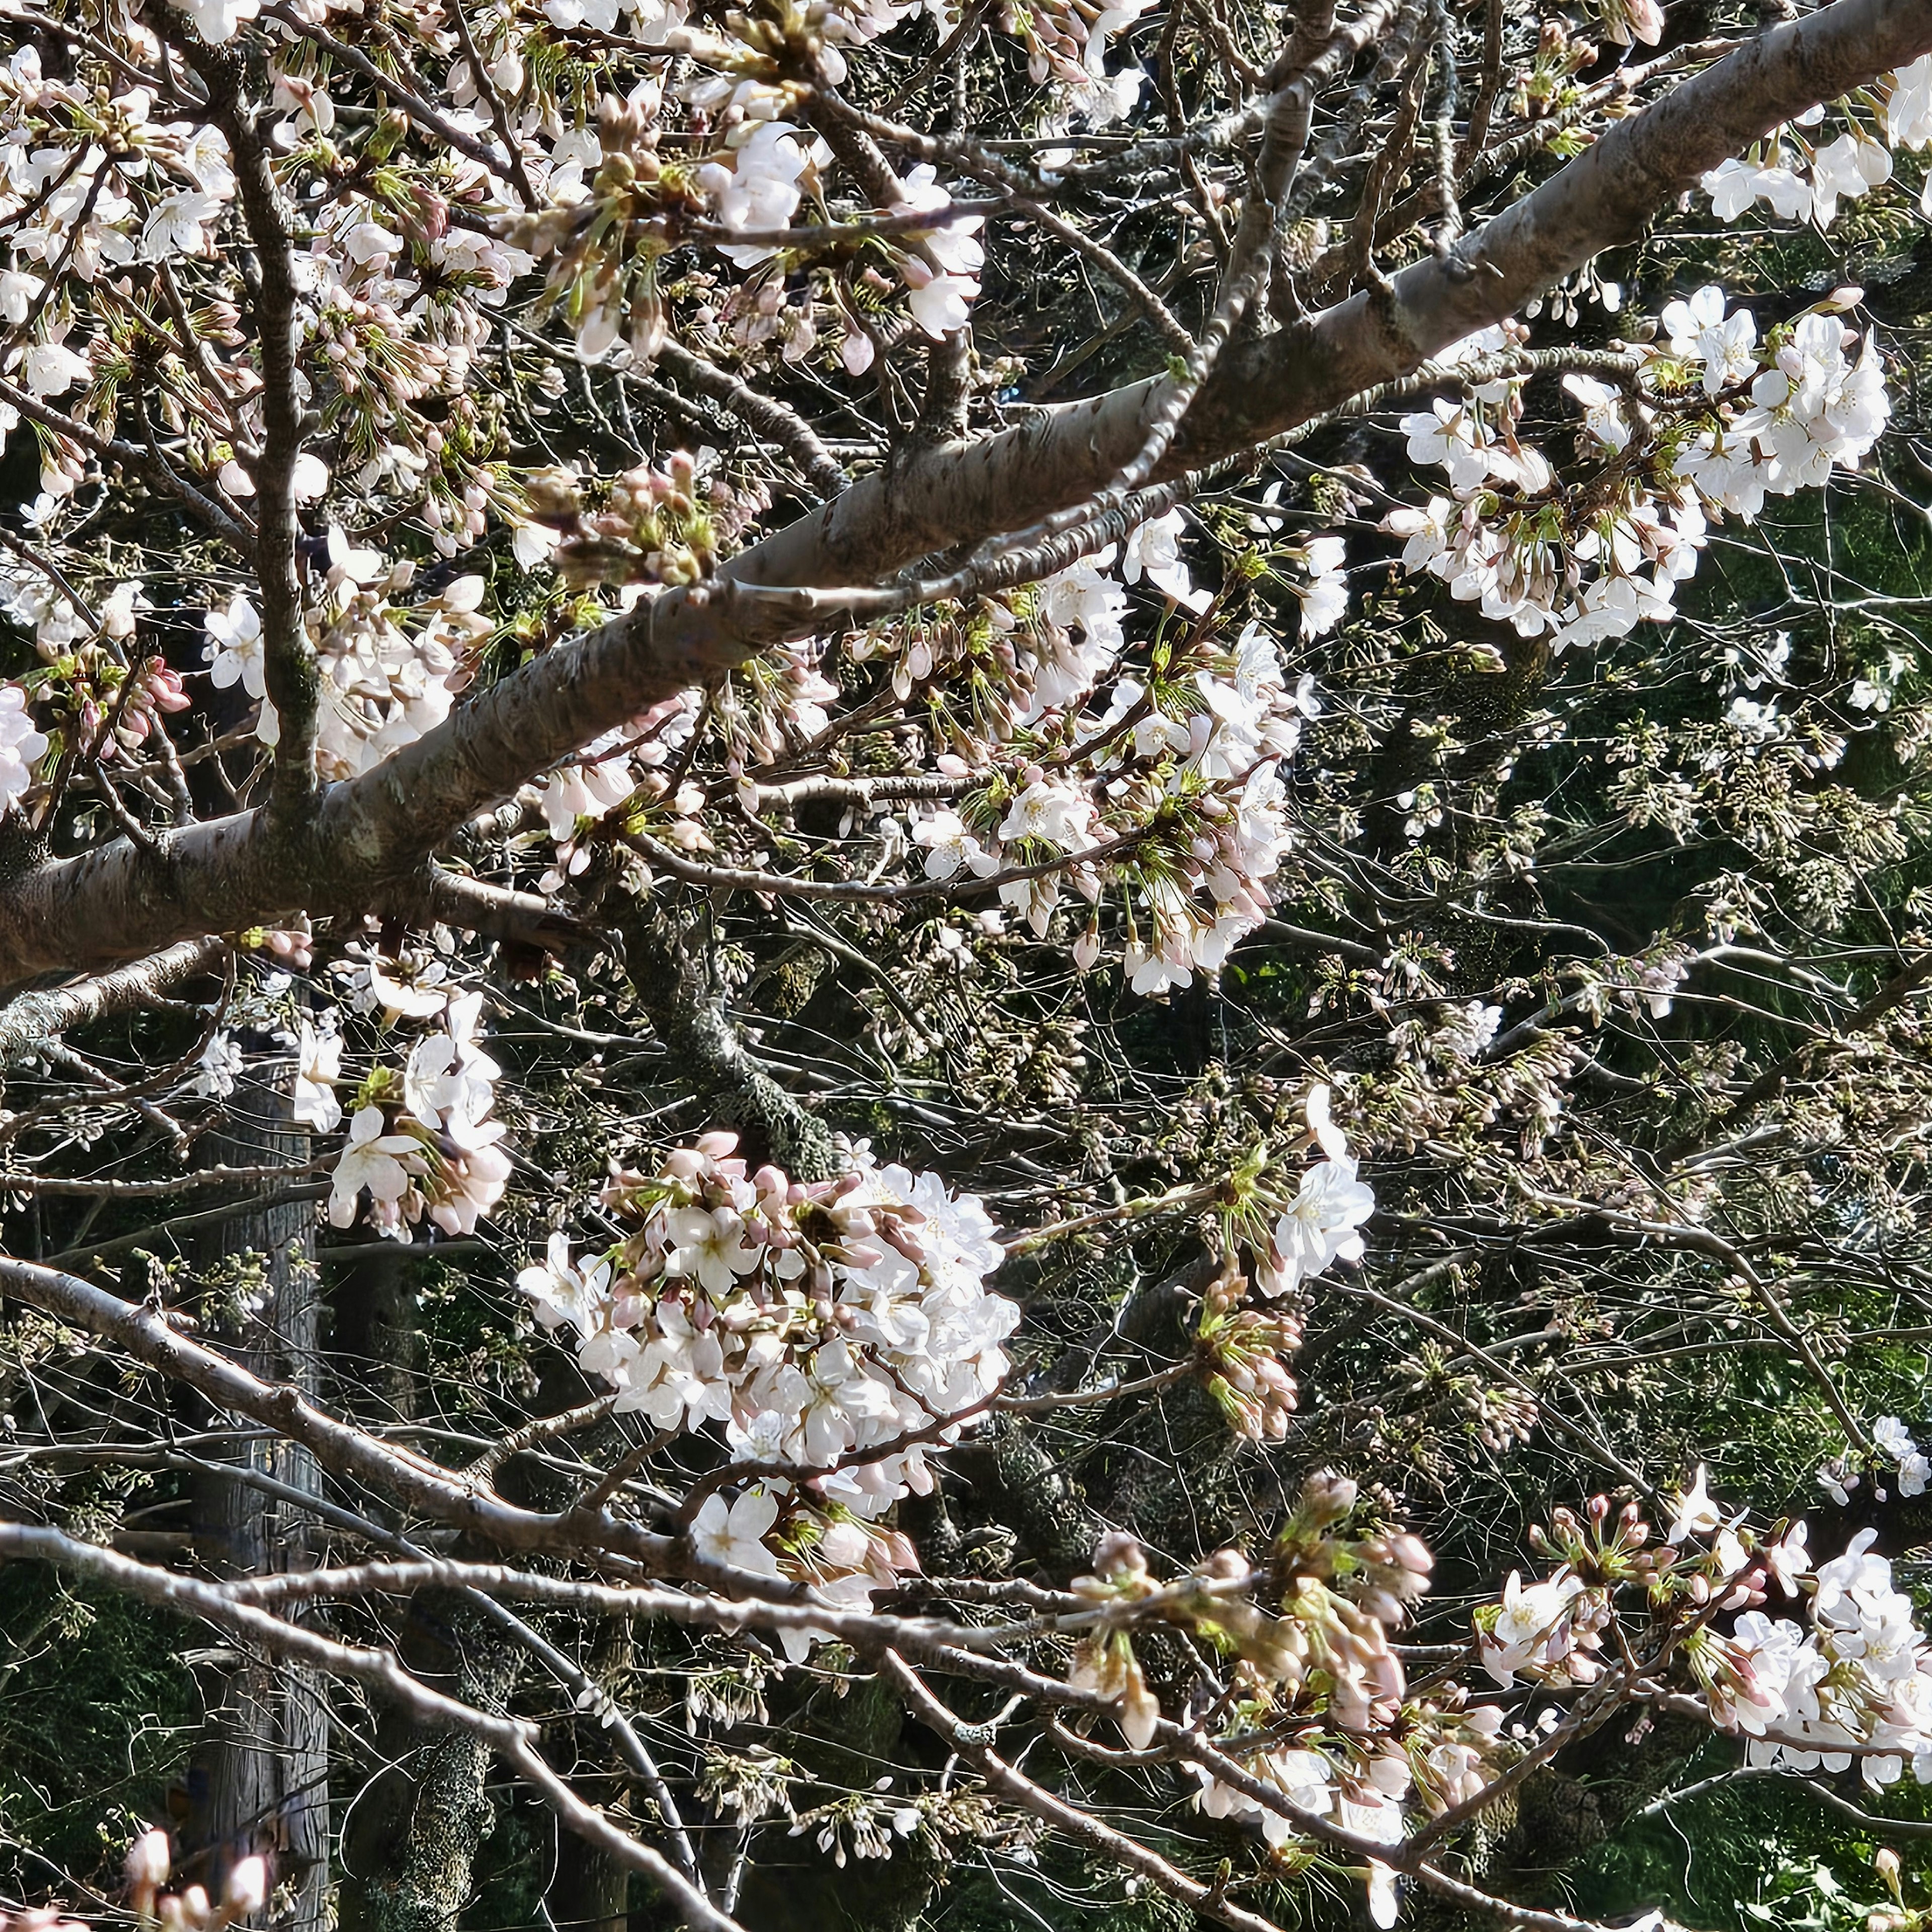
[[674, 976], [266, 1771], [410, 1842]]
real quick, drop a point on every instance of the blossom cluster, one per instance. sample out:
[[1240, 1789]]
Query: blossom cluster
[[1813, 404], [1321, 1223], [1314, 1675], [1291, 1239], [834, 1329], [1747, 420], [751, 172], [1078, 772], [21, 746], [1196, 755], [1856, 1684], [1800, 177], [422, 1141], [395, 295], [1893, 1444], [382, 686], [1852, 1681], [385, 319], [1551, 1632]]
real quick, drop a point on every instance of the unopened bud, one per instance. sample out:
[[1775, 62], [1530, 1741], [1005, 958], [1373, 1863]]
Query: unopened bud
[[1885, 1862], [1411, 1553], [148, 1862], [1327, 1497], [247, 1891]]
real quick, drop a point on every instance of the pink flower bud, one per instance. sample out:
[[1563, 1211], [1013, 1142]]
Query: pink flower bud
[[247, 1891]]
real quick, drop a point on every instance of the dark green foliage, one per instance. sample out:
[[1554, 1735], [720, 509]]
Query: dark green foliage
[[98, 1710]]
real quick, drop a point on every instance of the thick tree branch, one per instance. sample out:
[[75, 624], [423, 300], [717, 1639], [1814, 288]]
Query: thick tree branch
[[119, 902], [290, 659], [27, 1023]]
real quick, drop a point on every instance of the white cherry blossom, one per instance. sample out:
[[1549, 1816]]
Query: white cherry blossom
[[234, 652], [564, 1291], [318, 1067], [382, 1162], [734, 1533], [1324, 1224], [21, 745]]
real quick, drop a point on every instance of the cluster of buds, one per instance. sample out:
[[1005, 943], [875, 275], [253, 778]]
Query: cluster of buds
[[1239, 1354], [1059, 42], [1459, 1742], [115, 707], [1503, 1416], [1551, 78], [1316, 1706], [603, 250], [1310, 1625], [291, 948], [979, 684], [244, 1893], [1605, 1545], [777, 46], [1340, 1595], [772, 704], [1627, 20], [656, 524], [1105, 1662], [371, 355], [632, 184]]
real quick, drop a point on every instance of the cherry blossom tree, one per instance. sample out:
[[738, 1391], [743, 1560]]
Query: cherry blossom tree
[[962, 959]]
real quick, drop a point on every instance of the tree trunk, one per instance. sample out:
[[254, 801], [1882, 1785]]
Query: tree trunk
[[263, 1782], [591, 1892], [409, 1850], [409, 1843]]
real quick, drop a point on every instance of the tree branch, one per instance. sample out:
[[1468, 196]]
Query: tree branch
[[115, 903], [513, 1737], [28, 1021]]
